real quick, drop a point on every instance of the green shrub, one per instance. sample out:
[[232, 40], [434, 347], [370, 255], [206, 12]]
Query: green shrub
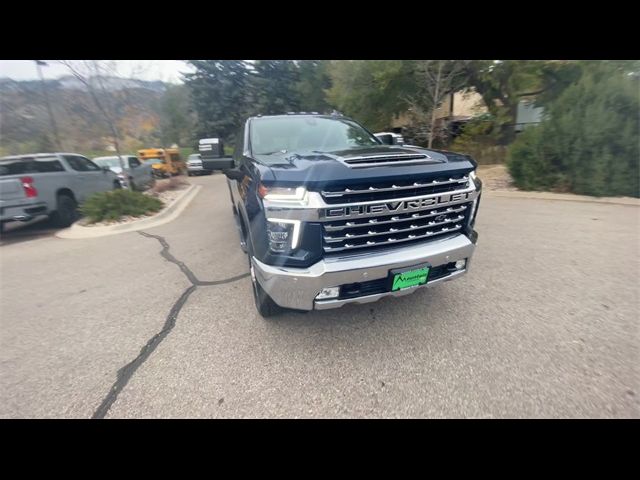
[[531, 166], [115, 204], [588, 143], [480, 139]]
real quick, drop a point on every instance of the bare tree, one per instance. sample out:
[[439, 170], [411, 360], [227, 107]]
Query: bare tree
[[54, 126], [93, 74], [436, 80]]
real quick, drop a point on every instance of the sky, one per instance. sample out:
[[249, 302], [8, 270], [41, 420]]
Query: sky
[[165, 70]]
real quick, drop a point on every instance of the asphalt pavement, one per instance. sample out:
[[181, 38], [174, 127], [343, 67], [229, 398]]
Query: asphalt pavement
[[161, 323]]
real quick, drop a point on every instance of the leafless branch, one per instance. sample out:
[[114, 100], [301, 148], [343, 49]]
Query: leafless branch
[[437, 80], [93, 80]]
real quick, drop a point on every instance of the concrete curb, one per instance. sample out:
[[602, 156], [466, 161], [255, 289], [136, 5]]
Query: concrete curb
[[567, 197], [165, 215]]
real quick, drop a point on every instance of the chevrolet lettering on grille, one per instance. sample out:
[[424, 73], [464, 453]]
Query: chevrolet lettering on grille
[[398, 206]]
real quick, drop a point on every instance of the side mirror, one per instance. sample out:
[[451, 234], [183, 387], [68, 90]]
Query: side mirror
[[212, 155], [222, 163], [105, 169], [234, 174], [211, 147], [386, 139]]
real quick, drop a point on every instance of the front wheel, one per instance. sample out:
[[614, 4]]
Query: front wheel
[[264, 303]]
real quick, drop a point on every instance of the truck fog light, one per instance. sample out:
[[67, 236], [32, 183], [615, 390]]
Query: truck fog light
[[282, 234], [460, 264], [331, 292]]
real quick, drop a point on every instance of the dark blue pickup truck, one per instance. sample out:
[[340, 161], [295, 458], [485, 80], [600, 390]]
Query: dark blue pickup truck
[[329, 214]]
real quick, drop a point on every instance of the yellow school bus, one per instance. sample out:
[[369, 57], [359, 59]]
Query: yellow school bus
[[170, 162]]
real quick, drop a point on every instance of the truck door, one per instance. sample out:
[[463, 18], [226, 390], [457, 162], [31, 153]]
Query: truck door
[[89, 177], [137, 171]]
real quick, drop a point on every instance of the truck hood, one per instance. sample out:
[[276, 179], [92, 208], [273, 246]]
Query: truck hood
[[315, 169]]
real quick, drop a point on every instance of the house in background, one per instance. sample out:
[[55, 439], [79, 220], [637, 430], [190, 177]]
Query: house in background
[[528, 114], [457, 108]]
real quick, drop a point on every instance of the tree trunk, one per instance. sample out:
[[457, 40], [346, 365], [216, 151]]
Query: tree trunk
[[436, 96]]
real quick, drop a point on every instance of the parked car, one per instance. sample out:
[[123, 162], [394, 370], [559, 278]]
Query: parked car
[[194, 165], [52, 184], [138, 174], [329, 214]]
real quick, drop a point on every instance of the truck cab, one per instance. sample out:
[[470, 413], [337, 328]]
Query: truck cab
[[328, 214]]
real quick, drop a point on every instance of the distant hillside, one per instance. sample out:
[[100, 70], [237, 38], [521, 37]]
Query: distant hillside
[[69, 82], [25, 126]]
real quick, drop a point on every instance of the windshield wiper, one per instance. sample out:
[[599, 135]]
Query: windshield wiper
[[271, 153]]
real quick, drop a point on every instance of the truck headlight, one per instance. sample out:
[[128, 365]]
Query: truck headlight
[[283, 234], [283, 194]]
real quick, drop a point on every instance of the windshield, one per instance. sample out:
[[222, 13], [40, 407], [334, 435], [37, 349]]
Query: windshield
[[286, 134], [107, 162], [153, 160]]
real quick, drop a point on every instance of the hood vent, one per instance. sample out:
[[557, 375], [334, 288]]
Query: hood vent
[[386, 159]]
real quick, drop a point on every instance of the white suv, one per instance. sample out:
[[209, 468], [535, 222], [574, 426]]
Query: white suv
[[194, 165]]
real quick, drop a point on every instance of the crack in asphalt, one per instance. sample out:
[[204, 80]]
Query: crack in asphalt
[[125, 373]]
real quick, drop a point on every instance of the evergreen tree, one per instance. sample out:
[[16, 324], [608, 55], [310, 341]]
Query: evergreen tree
[[176, 122], [371, 91], [220, 93], [273, 87], [588, 142], [314, 81]]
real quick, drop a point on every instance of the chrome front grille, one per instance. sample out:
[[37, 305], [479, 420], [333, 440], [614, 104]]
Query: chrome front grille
[[393, 229], [391, 190], [403, 212]]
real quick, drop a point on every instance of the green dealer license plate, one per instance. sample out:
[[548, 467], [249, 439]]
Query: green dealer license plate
[[409, 277]]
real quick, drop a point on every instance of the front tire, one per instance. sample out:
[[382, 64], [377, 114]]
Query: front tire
[[264, 303]]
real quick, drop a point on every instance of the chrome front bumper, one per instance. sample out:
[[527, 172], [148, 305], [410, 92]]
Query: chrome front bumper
[[297, 288]]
